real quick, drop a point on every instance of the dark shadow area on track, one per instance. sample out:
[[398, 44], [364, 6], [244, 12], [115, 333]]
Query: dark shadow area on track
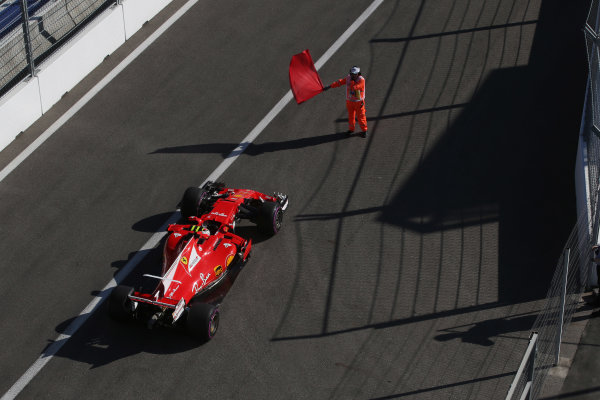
[[507, 158], [481, 332], [493, 165], [397, 322], [102, 341], [152, 223], [254, 149], [442, 387]]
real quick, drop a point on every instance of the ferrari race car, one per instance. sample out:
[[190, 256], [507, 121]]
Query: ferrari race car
[[202, 256]]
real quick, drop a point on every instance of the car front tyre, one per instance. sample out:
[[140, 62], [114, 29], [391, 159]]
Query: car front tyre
[[270, 218], [192, 202]]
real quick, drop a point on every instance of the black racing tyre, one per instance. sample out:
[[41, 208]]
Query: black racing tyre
[[119, 304], [202, 321], [270, 218], [191, 204]]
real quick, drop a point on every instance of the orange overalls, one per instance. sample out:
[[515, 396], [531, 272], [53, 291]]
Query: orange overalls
[[355, 101]]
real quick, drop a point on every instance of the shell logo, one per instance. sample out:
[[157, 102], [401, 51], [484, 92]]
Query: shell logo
[[218, 270], [229, 260]]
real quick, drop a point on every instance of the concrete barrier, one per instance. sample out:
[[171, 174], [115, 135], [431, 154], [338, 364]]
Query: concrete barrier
[[24, 104], [137, 12], [19, 108], [64, 69]]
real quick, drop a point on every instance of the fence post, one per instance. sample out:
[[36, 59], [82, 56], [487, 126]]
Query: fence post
[[563, 295], [531, 371], [25, 20], [528, 357]]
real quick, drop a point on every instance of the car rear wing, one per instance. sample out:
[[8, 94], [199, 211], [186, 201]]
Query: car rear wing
[[146, 298], [160, 278]]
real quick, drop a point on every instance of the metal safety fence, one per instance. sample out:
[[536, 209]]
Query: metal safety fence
[[573, 271], [562, 300], [31, 30], [591, 119]]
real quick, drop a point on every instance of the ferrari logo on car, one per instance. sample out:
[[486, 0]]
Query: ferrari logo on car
[[184, 260]]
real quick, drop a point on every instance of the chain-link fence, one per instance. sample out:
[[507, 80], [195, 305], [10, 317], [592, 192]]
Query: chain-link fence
[[563, 298], [591, 128], [48, 24]]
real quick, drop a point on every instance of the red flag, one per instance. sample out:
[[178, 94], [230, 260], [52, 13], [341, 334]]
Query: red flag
[[304, 79]]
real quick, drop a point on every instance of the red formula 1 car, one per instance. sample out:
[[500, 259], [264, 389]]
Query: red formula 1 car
[[201, 258]]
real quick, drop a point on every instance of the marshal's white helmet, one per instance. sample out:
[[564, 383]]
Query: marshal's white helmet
[[354, 70]]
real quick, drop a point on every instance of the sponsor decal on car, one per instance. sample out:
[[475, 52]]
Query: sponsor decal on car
[[178, 310], [229, 259], [218, 270], [172, 292], [194, 260], [197, 287], [218, 214], [184, 260]]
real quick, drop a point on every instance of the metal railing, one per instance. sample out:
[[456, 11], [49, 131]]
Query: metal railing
[[527, 365], [591, 119], [562, 300], [31, 30]]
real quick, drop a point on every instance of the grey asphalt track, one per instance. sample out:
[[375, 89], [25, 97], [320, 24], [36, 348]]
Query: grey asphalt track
[[411, 263]]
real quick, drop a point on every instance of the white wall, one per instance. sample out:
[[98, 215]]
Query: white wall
[[25, 103]]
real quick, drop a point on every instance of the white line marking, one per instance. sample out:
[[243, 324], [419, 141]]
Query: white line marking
[[97, 88], [155, 239]]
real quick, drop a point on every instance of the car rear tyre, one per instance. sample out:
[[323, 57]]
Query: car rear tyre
[[192, 202], [203, 321], [270, 218], [119, 304]]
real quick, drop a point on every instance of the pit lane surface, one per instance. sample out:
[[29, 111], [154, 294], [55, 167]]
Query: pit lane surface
[[411, 263]]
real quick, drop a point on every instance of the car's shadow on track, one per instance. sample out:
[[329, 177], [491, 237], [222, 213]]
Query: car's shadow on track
[[152, 223], [102, 341], [253, 149]]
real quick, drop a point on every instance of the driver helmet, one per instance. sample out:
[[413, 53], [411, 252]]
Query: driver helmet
[[354, 70], [205, 233]]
